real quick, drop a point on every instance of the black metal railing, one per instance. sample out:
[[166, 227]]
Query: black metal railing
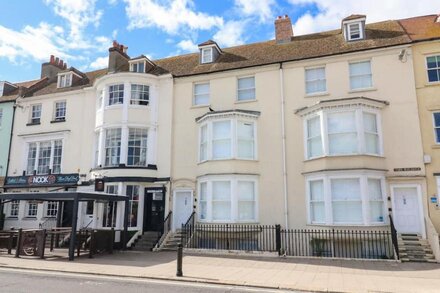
[[230, 237], [165, 228], [188, 229], [292, 242], [394, 237]]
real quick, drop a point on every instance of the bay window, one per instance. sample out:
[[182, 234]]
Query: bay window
[[140, 94], [116, 94], [227, 139], [346, 199], [137, 147], [342, 132], [228, 199], [44, 156], [132, 192]]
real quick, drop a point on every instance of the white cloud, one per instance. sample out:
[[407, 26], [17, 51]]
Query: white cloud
[[37, 43], [187, 45], [100, 62], [230, 34], [79, 14], [173, 16], [332, 12], [260, 8]]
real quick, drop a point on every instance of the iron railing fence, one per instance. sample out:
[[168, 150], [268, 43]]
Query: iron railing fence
[[165, 228], [394, 237], [332, 243]]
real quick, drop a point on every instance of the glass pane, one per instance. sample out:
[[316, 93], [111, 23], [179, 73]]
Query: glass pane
[[201, 99], [374, 189], [432, 62], [341, 122], [203, 191], [347, 212], [221, 129], [245, 130], [433, 75], [372, 143], [376, 211], [370, 122], [360, 68], [221, 211], [316, 190], [359, 82], [203, 210], [345, 189], [317, 210], [246, 83], [343, 143], [314, 147], [245, 149], [221, 190], [248, 94], [246, 211], [246, 190], [437, 119], [221, 149], [313, 127], [437, 132], [202, 88]]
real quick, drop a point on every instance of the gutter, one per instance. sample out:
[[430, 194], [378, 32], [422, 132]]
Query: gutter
[[283, 135]]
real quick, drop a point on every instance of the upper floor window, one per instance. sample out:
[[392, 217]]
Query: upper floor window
[[201, 94], [137, 147], [228, 199], [44, 156], [360, 75], [64, 80], [116, 94], [433, 67], [346, 199], [207, 55], [138, 67], [227, 139], [342, 132], [140, 94], [112, 146], [60, 111], [35, 114], [246, 89], [354, 31], [315, 80], [436, 117]]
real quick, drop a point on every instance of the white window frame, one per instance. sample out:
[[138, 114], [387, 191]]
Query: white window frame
[[204, 59], [233, 179], [246, 89], [137, 130], [48, 209], [426, 67], [208, 93], [370, 74], [28, 209], [64, 80], [436, 138], [111, 147], [361, 143], [315, 80], [33, 111], [131, 201], [13, 206], [233, 138], [37, 155], [363, 177], [123, 95], [349, 31], [133, 63], [138, 101], [56, 110]]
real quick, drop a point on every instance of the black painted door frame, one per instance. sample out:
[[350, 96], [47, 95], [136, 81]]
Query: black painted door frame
[[154, 210]]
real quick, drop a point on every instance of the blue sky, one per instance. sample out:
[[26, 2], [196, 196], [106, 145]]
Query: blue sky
[[80, 31]]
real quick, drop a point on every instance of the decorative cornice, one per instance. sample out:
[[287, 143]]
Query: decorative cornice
[[227, 114]]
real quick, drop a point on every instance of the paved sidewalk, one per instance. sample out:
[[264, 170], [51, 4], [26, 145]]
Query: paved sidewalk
[[285, 273]]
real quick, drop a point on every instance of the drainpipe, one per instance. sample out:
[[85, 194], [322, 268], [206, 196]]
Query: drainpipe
[[10, 139], [283, 135]]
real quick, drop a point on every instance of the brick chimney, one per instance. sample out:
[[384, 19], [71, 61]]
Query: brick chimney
[[52, 68], [118, 58], [283, 29]]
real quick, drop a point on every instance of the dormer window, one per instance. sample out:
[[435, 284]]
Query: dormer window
[[64, 80], [209, 52], [353, 27], [207, 55], [138, 67]]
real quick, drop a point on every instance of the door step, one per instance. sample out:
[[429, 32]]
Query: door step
[[412, 248]]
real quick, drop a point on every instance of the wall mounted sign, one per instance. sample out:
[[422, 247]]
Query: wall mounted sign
[[99, 184], [433, 199], [407, 169], [42, 180]]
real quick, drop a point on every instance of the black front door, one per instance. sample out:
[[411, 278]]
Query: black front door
[[154, 209], [66, 217]]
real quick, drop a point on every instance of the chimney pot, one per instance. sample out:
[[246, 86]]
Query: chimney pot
[[279, 17], [283, 29], [57, 61], [65, 66], [115, 44], [52, 59], [61, 63]]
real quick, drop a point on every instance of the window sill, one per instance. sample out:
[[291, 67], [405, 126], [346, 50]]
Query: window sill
[[200, 106], [114, 106], [33, 123], [349, 225], [12, 218], [347, 155], [148, 167], [29, 218], [434, 83], [245, 101], [435, 146], [136, 106], [230, 159], [370, 89], [58, 121], [313, 95]]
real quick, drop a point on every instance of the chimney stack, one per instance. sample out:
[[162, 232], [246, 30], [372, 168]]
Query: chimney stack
[[283, 29], [118, 58], [52, 68]]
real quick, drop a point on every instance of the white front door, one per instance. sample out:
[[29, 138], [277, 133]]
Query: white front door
[[407, 209], [183, 207]]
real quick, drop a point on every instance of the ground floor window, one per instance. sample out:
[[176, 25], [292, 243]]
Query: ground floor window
[[14, 208], [132, 192], [51, 209], [31, 209], [110, 208], [346, 199], [228, 198]]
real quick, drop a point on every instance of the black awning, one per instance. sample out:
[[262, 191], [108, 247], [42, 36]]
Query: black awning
[[62, 195]]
